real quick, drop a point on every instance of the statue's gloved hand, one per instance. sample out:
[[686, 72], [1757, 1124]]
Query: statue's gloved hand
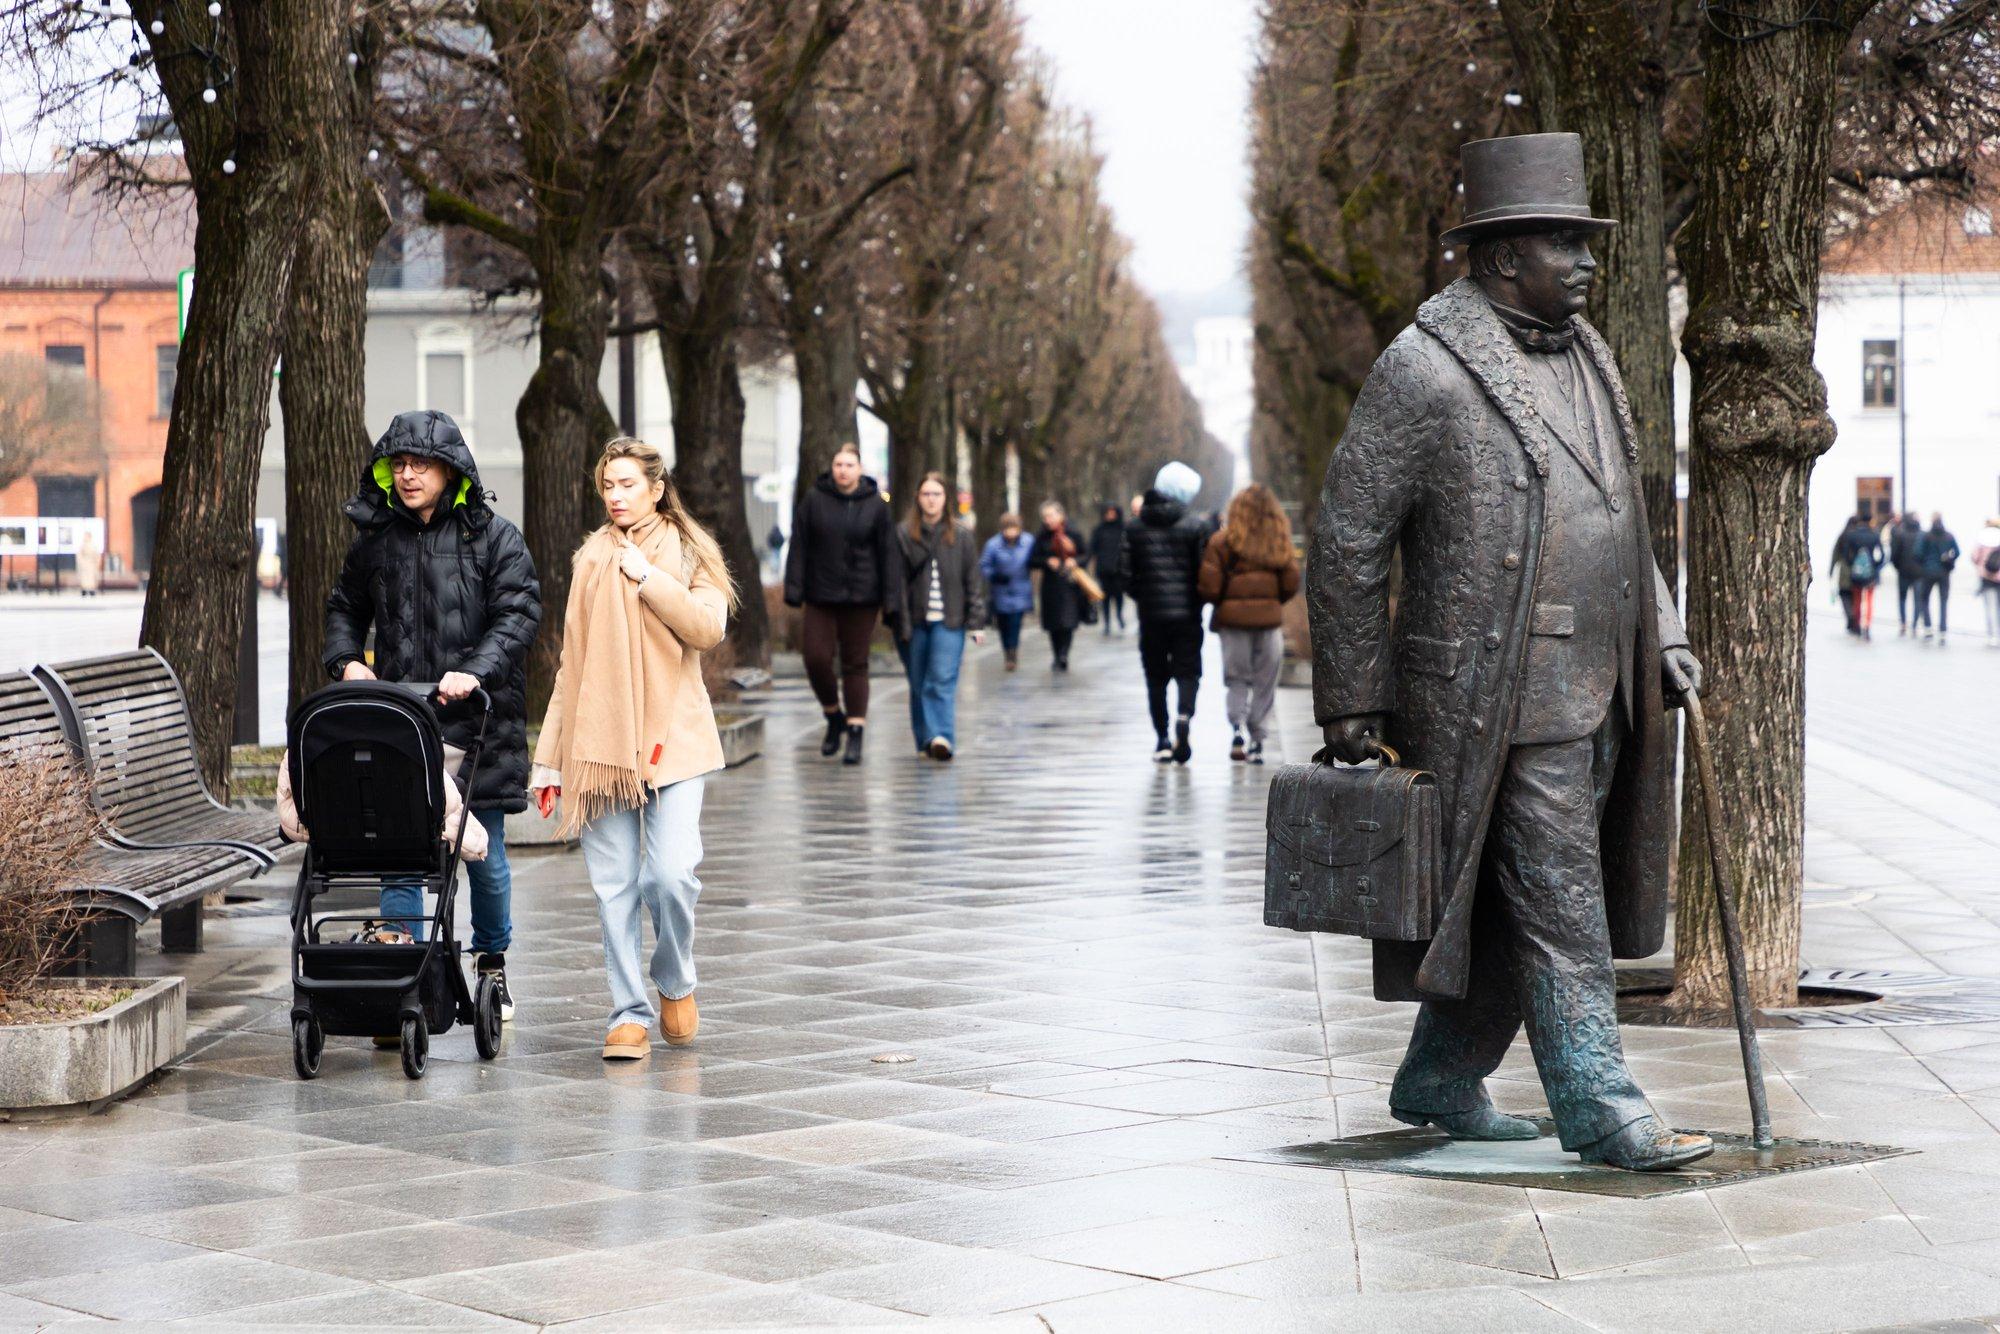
[[1682, 673], [1353, 739]]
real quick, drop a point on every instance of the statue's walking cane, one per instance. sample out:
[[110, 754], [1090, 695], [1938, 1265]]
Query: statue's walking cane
[[1732, 932]]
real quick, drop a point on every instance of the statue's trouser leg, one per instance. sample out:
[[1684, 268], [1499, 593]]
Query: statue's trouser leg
[[1541, 949]]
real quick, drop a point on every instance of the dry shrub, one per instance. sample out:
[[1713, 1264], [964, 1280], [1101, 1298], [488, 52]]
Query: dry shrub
[[716, 665], [47, 827], [784, 620]]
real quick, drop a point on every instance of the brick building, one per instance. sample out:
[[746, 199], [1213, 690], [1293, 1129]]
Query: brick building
[[89, 288]]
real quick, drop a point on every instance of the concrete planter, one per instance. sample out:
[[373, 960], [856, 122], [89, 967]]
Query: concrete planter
[[1297, 672], [742, 741], [79, 1064]]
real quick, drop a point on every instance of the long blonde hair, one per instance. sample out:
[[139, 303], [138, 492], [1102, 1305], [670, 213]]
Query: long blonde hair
[[708, 557], [1256, 530]]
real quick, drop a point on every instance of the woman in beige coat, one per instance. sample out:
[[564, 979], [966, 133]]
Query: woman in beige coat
[[629, 734]]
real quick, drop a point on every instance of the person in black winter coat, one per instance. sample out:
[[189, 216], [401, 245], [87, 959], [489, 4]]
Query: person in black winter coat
[[1107, 559], [841, 567], [451, 592], [1058, 550], [1162, 562], [1937, 555], [1903, 540]]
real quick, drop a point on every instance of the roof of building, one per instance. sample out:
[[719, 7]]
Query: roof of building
[[59, 231], [1930, 236]]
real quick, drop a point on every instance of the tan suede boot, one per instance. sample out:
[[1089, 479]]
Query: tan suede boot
[[679, 1020], [627, 1042]]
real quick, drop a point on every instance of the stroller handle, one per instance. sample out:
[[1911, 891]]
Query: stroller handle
[[429, 690]]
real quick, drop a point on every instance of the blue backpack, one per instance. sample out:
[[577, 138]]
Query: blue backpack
[[1863, 564]]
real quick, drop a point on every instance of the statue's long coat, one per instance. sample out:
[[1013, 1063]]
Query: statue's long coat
[[1447, 459]]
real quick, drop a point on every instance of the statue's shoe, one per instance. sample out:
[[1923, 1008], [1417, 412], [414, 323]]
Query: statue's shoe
[[1648, 1146], [1480, 1123]]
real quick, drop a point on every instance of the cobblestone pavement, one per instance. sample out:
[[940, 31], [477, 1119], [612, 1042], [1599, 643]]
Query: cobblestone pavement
[[1065, 941]]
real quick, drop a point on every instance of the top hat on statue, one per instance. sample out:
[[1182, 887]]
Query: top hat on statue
[[1524, 183]]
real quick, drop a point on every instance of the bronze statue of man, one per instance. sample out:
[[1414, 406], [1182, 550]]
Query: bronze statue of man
[[1532, 657]]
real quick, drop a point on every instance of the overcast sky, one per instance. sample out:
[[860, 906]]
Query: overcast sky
[[1166, 86]]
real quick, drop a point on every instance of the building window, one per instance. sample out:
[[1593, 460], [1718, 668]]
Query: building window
[[1875, 497], [166, 371], [444, 383], [69, 388], [1881, 369], [445, 373]]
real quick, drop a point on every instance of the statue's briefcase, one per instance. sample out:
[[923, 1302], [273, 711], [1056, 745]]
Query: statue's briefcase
[[1354, 851]]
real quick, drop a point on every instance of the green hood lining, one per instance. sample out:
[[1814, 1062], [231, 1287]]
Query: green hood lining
[[385, 478]]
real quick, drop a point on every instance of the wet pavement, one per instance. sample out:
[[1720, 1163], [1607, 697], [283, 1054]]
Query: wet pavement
[[983, 1042]]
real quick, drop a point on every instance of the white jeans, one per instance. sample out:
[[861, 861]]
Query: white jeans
[[647, 856], [1250, 662]]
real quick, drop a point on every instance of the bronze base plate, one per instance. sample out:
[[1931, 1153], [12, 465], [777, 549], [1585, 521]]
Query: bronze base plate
[[1543, 1164]]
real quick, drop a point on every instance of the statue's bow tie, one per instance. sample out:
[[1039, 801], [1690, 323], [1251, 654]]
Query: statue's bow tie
[[1531, 333]]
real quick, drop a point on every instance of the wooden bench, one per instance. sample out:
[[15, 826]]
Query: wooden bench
[[128, 722], [122, 887]]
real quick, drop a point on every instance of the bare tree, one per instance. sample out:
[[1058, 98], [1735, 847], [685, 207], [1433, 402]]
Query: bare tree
[[45, 416]]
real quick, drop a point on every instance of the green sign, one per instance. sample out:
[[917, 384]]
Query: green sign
[[186, 285]]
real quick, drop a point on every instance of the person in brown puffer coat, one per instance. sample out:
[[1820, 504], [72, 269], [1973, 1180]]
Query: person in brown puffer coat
[[1249, 571]]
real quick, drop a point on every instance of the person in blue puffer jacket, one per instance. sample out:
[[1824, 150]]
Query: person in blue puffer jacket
[[1004, 562]]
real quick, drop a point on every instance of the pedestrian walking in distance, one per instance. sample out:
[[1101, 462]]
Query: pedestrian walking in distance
[[629, 736], [1986, 562], [1163, 554], [450, 591], [1007, 563], [943, 599], [1937, 557], [1250, 571], [1857, 565], [1107, 560], [841, 567], [1058, 553], [1904, 537]]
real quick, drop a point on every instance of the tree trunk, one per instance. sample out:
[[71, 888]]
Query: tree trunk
[[1599, 70], [321, 391], [826, 355], [563, 422], [1758, 420], [287, 56], [989, 481], [708, 472]]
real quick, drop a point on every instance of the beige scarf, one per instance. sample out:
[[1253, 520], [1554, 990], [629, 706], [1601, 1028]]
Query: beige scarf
[[624, 659]]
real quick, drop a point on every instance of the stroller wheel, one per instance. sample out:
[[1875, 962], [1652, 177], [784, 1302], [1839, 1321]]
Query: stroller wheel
[[308, 1040], [416, 1046], [486, 1019]]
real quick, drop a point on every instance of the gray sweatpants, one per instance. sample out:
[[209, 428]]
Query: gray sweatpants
[[1250, 660]]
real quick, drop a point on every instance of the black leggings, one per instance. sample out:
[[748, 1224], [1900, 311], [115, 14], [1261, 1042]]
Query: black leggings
[[1059, 642], [1114, 602], [1170, 652]]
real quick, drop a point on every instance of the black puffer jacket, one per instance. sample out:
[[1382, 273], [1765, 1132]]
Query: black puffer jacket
[[1163, 560], [843, 551], [457, 594]]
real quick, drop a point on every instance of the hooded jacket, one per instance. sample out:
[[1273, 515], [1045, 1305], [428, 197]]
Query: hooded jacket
[[843, 549], [1163, 559], [457, 594]]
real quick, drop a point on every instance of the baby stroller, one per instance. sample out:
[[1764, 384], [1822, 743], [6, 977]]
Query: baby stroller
[[367, 773]]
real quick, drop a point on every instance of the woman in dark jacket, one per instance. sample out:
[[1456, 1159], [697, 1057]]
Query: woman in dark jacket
[[1058, 551], [841, 567], [1937, 556], [1107, 560], [1008, 564], [943, 598]]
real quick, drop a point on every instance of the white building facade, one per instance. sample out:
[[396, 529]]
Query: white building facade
[[1219, 378]]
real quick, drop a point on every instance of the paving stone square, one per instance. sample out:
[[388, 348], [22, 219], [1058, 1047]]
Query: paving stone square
[[999, 1045]]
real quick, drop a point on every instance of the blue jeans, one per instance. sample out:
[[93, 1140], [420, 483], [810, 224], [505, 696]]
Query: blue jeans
[[492, 892], [646, 857], [1010, 628], [931, 661]]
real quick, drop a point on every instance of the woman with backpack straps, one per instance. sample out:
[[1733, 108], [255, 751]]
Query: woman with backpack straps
[[1249, 571]]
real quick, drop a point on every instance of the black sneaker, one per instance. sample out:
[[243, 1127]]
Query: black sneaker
[[1163, 751], [836, 726], [853, 755], [495, 967], [1255, 755], [1238, 751], [1182, 751]]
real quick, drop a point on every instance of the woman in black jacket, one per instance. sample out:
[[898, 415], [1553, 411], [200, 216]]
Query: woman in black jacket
[[944, 596], [1107, 559], [1058, 551], [841, 568], [1163, 554]]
